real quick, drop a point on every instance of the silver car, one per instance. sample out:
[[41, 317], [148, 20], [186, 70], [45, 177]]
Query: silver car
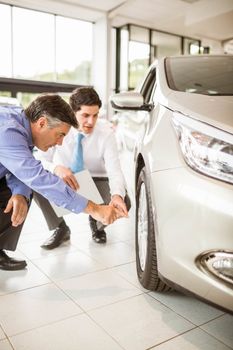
[[176, 135]]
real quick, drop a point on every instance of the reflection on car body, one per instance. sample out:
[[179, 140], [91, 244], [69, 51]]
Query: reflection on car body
[[177, 129]]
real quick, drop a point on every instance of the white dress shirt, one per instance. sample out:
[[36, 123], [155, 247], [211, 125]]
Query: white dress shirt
[[100, 155]]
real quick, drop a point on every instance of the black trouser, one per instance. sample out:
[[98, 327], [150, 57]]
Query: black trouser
[[9, 235], [53, 221]]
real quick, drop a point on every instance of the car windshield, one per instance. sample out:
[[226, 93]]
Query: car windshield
[[206, 75]]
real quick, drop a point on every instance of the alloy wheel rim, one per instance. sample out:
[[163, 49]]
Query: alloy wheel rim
[[142, 227]]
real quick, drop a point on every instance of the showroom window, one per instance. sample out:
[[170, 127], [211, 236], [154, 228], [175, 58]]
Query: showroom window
[[192, 47], [139, 54], [6, 52], [73, 50], [64, 54], [164, 44], [138, 47], [33, 58]]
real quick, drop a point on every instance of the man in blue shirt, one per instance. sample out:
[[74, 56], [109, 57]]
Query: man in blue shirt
[[44, 123]]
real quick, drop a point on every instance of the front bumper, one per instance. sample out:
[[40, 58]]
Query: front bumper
[[194, 215]]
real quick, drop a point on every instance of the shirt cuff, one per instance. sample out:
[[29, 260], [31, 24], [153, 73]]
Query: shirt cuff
[[78, 204], [19, 188], [119, 193], [24, 192]]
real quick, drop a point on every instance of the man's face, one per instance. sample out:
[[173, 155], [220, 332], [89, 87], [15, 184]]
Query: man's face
[[87, 117], [45, 137]]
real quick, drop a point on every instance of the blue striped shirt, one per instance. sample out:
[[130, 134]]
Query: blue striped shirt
[[23, 172]]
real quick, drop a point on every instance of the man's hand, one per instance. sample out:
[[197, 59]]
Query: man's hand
[[67, 176], [106, 214], [19, 205], [118, 202]]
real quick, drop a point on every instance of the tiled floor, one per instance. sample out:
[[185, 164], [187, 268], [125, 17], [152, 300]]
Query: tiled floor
[[84, 296]]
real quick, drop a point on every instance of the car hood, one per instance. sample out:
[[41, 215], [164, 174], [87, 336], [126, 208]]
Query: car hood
[[214, 110]]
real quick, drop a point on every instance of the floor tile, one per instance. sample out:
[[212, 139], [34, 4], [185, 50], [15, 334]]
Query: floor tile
[[12, 281], [32, 250], [123, 229], [116, 232], [116, 253], [190, 308], [5, 345], [78, 224], [128, 271], [76, 333], [120, 230], [67, 265], [140, 322], [131, 242], [32, 236], [97, 289], [34, 307], [83, 240], [193, 340], [2, 335], [222, 329]]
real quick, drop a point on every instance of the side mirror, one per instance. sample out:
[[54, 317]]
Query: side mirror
[[129, 101]]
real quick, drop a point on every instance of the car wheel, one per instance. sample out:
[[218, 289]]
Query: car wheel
[[146, 256]]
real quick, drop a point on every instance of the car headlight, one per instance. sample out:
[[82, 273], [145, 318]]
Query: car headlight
[[205, 148]]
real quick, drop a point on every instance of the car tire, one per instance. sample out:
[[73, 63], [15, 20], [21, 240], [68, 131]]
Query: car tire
[[146, 255]]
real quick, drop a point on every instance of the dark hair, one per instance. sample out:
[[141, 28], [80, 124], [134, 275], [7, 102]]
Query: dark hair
[[84, 96], [53, 107]]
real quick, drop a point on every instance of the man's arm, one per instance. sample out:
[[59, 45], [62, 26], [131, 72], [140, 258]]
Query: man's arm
[[115, 175], [48, 161], [113, 167], [17, 187], [67, 176]]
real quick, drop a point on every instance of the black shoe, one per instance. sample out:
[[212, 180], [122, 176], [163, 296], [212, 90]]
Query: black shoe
[[99, 236], [59, 236], [7, 263]]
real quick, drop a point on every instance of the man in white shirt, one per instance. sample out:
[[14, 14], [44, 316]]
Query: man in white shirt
[[100, 157]]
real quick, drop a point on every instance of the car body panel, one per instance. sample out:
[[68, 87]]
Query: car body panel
[[204, 208]]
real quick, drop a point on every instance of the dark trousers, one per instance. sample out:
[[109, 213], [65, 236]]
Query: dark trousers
[[9, 235], [53, 221]]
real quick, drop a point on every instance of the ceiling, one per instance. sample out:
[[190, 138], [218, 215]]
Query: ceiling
[[211, 19]]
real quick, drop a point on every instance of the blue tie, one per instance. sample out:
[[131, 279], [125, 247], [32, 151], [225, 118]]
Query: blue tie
[[77, 162]]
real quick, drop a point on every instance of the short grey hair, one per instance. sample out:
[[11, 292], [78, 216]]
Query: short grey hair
[[52, 122], [51, 105]]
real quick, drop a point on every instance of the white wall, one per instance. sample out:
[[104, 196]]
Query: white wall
[[102, 60], [215, 46]]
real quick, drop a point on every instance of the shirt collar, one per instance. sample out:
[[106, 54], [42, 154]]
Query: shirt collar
[[85, 135], [27, 125]]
